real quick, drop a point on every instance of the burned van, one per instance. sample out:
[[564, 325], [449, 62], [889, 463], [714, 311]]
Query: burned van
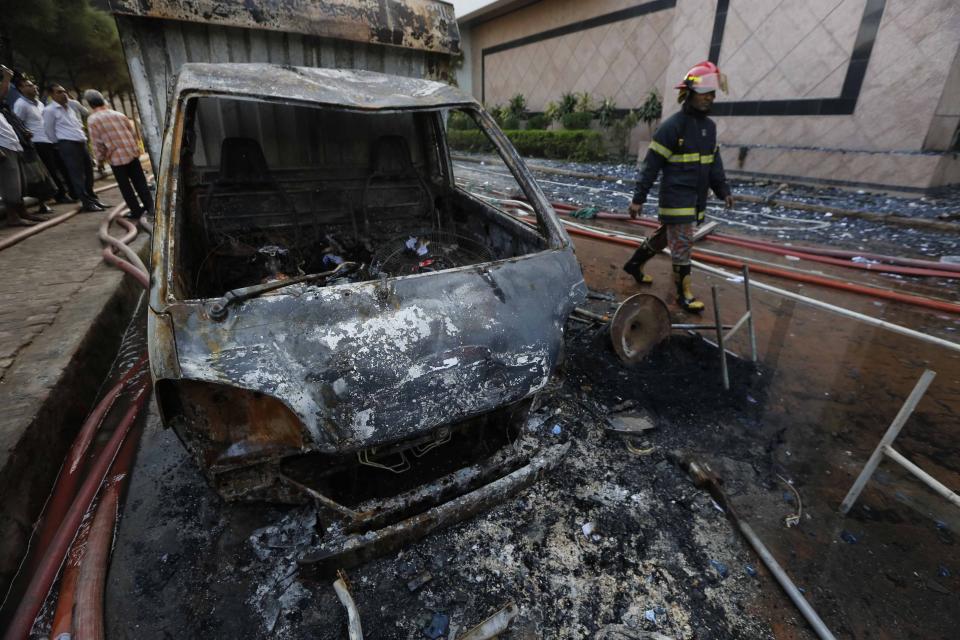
[[336, 301]]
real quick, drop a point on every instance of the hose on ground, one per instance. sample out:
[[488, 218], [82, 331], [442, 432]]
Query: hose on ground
[[20, 236], [882, 264], [130, 263], [48, 567], [883, 294], [65, 487]]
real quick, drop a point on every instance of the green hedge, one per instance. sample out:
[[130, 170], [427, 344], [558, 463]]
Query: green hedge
[[461, 121], [582, 146], [538, 121], [577, 120]]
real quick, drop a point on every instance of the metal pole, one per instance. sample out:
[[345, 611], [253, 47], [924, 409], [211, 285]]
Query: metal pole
[[922, 475], [911, 403], [692, 326], [826, 306], [785, 583], [586, 313], [723, 353], [746, 295]]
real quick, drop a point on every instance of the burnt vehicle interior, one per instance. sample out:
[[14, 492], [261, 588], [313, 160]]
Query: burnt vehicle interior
[[275, 191]]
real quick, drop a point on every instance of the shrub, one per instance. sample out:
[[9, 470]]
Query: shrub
[[538, 121], [473, 140], [606, 112], [517, 106], [582, 146], [577, 120], [460, 121], [552, 112], [567, 104], [510, 122], [498, 113], [619, 130], [651, 110], [584, 103]]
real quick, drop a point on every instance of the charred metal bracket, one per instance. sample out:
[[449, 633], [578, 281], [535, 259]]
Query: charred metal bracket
[[346, 547], [217, 309]]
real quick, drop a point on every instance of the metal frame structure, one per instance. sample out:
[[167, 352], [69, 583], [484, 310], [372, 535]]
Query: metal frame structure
[[719, 327], [885, 448]]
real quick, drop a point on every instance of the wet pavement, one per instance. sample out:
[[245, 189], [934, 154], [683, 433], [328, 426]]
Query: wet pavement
[[833, 387]]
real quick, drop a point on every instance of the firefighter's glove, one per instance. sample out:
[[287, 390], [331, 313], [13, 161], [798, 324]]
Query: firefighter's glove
[[635, 210]]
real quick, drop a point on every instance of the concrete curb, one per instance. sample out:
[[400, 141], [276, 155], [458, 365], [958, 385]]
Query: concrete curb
[[56, 379]]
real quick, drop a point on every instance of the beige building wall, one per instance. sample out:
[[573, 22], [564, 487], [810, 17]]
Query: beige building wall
[[803, 49], [623, 60], [867, 91]]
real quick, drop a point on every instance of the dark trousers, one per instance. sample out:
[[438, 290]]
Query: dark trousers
[[54, 163], [129, 178], [79, 168]]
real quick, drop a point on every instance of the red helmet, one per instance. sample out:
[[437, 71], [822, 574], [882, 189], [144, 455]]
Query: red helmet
[[704, 77]]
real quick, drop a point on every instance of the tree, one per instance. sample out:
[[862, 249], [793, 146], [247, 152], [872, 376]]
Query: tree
[[65, 41]]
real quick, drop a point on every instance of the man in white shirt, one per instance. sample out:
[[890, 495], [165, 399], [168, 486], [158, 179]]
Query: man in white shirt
[[11, 181], [30, 110], [63, 127]]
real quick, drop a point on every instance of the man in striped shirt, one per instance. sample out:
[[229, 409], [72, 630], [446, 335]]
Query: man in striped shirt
[[114, 140]]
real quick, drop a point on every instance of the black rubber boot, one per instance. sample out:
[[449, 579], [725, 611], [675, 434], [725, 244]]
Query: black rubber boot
[[634, 265], [681, 279]]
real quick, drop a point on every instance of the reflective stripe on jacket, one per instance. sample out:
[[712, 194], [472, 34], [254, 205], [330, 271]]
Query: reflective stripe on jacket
[[684, 148]]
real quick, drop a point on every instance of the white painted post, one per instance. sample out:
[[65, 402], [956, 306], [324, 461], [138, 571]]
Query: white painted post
[[719, 327], [746, 295], [911, 403], [922, 475]]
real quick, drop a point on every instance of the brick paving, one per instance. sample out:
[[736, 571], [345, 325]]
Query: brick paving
[[41, 275]]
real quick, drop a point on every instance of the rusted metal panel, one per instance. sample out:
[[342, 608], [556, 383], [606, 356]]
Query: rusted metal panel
[[425, 25], [158, 38], [355, 89]]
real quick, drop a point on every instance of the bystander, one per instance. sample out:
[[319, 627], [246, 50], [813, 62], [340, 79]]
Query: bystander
[[11, 180], [114, 140], [64, 129], [30, 110]]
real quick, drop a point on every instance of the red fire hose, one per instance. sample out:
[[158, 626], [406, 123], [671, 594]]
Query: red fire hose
[[884, 294], [66, 485], [88, 617], [63, 616], [130, 263], [33, 230], [887, 264], [50, 563], [88, 614]]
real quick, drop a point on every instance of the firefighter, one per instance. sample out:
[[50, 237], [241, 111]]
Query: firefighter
[[684, 148]]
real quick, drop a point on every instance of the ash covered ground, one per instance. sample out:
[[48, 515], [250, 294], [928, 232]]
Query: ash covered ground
[[661, 557]]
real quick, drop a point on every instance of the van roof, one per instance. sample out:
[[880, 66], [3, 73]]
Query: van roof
[[340, 87]]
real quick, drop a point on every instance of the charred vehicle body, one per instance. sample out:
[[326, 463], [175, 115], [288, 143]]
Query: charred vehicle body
[[326, 297]]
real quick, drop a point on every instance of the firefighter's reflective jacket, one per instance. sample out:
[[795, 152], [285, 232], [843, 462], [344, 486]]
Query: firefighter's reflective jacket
[[684, 148]]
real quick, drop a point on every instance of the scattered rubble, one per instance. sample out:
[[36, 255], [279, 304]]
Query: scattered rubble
[[778, 223]]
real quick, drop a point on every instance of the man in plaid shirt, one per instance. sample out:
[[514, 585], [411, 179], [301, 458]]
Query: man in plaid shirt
[[114, 140]]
